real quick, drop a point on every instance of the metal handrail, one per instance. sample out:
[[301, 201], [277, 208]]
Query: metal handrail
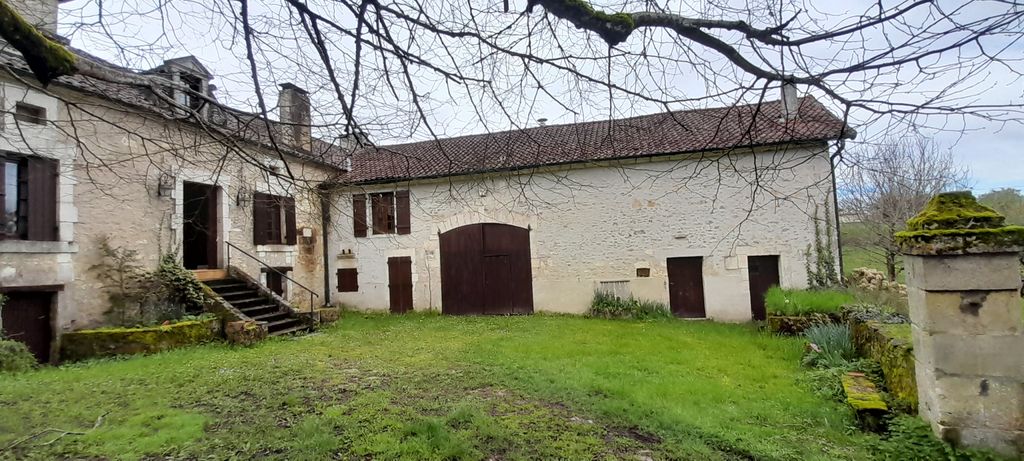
[[268, 266]]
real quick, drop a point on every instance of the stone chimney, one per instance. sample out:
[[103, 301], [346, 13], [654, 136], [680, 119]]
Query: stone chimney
[[790, 101], [293, 104], [39, 13]]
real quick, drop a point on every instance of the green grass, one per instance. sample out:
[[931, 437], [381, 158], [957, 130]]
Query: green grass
[[798, 302], [859, 250], [431, 387]]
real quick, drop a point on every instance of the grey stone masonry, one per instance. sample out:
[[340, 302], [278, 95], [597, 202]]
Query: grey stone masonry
[[963, 284]]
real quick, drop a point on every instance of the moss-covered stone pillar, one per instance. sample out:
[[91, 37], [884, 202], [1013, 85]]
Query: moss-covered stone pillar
[[963, 284]]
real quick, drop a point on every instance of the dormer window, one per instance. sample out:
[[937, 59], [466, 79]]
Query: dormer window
[[191, 98], [193, 78]]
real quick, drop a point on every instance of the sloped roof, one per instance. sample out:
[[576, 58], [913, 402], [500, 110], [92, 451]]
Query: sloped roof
[[238, 124], [643, 136]]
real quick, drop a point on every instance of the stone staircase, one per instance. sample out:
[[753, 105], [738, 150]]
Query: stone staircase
[[258, 304]]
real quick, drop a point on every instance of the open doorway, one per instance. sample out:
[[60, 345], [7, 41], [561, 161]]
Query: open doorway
[[200, 243]]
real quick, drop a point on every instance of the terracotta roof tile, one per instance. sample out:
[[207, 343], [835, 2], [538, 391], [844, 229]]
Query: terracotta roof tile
[[644, 136]]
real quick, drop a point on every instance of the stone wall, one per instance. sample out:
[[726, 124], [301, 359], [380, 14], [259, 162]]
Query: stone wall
[[603, 221], [963, 281], [109, 186]]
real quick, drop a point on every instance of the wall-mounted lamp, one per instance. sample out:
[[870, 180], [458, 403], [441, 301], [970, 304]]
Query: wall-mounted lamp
[[165, 185], [243, 198]]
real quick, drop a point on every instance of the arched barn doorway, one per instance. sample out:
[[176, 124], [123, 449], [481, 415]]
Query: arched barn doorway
[[485, 269]]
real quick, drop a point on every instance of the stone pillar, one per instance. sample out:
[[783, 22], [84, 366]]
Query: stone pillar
[[963, 284]]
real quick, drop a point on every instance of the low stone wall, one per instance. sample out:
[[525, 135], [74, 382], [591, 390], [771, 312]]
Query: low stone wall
[[890, 345], [794, 325], [86, 344]]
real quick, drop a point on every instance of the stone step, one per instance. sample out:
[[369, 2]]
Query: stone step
[[866, 401], [294, 329]]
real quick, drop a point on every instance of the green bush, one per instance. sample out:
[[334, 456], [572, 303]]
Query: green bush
[[831, 345], [609, 306], [780, 301], [15, 357], [912, 439]]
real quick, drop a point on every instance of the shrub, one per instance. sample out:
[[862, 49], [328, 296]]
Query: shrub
[[780, 301], [912, 439], [827, 382], [609, 306], [893, 300], [831, 345], [15, 357], [870, 312]]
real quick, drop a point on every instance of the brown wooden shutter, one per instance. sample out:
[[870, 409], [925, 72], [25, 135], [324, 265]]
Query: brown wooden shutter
[[289, 219], [402, 203], [41, 219], [348, 280], [359, 215], [260, 218]]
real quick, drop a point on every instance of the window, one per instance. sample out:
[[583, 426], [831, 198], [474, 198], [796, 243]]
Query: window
[[192, 98], [383, 206], [27, 113], [348, 280], [28, 198], [273, 219], [389, 213]]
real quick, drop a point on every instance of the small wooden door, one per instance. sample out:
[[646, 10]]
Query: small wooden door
[[763, 274], [26, 318], [400, 284], [686, 286]]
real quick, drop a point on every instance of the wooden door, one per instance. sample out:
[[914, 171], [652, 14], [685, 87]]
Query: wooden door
[[763, 273], [200, 230], [26, 318], [485, 269], [400, 284], [686, 286]]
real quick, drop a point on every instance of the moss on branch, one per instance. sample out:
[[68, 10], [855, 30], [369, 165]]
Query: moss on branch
[[47, 59], [613, 28]]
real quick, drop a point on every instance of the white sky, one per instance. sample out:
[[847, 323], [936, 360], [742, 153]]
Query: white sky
[[992, 150]]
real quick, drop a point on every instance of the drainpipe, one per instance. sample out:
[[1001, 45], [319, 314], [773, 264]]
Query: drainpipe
[[325, 223], [835, 210]]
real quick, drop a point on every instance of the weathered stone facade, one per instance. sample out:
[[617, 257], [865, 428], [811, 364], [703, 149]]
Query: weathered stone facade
[[601, 222], [113, 160]]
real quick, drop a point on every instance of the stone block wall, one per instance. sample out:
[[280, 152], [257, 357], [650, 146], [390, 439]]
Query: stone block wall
[[965, 310]]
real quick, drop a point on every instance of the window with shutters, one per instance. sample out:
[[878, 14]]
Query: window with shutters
[[28, 198], [273, 219], [389, 213], [348, 280]]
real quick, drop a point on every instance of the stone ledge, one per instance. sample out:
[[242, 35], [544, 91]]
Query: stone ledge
[[34, 246]]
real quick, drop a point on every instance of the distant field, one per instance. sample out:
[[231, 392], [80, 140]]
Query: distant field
[[858, 251]]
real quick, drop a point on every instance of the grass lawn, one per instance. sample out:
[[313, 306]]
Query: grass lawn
[[431, 387]]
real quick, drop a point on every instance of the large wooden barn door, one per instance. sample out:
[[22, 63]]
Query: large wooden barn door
[[26, 318], [485, 269], [686, 286], [400, 284], [763, 272]]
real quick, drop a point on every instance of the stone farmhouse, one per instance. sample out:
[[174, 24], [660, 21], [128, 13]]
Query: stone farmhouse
[[702, 209]]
